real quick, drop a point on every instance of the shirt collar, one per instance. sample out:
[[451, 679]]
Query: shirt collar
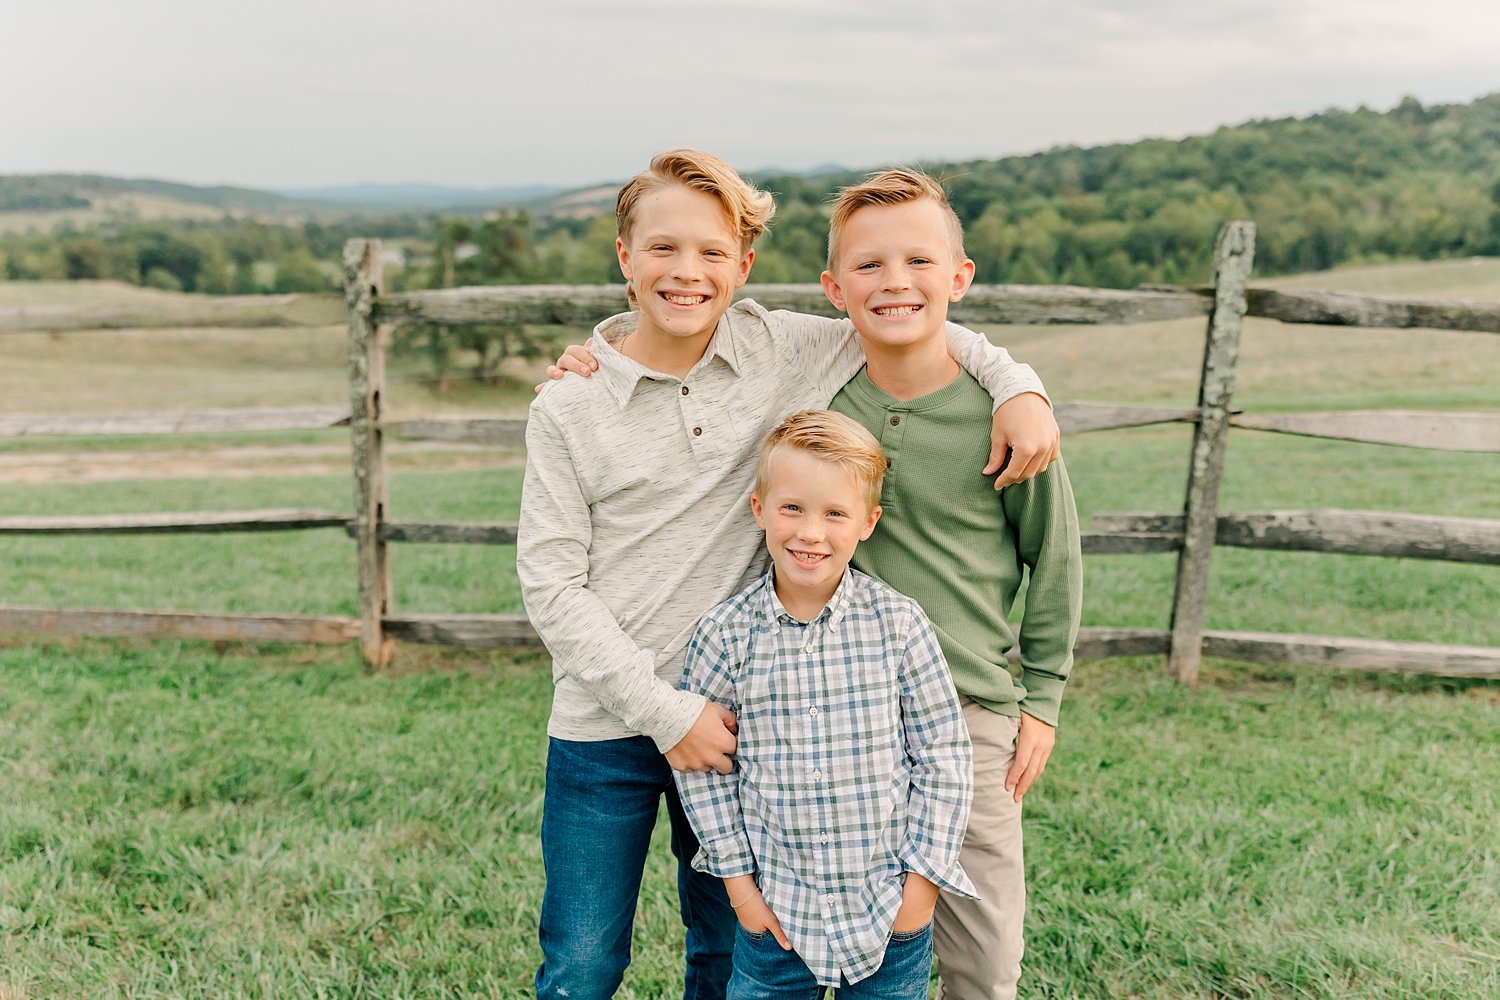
[[622, 375], [772, 611]]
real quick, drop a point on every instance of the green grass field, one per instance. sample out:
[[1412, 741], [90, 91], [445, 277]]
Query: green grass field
[[191, 820], [186, 822]]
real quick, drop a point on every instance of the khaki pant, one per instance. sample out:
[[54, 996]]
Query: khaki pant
[[978, 942]]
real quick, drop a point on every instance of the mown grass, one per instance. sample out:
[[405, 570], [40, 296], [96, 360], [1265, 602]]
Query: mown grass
[[183, 821]]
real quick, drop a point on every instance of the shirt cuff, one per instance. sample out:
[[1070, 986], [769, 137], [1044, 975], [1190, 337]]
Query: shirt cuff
[[726, 857], [1021, 387], [950, 877], [1043, 697], [670, 723]]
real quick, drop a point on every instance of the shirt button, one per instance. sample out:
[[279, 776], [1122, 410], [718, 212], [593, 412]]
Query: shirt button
[[817, 775], [895, 421], [684, 390], [697, 432], [813, 710], [822, 838], [828, 900]]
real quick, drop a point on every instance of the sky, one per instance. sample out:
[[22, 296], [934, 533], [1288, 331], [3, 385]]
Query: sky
[[568, 93]]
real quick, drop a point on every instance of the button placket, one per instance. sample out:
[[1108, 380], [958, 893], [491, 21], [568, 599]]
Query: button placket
[[892, 431]]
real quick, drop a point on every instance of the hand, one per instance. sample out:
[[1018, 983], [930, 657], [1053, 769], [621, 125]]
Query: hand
[[751, 911], [1033, 746], [709, 744], [1024, 439], [576, 359], [918, 900]]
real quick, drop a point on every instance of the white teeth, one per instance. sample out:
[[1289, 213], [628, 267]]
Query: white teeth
[[897, 310], [684, 300]]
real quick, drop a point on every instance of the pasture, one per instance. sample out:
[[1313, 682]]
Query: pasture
[[190, 820]]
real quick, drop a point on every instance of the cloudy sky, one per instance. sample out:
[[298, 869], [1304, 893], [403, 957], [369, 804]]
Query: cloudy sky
[[292, 93]]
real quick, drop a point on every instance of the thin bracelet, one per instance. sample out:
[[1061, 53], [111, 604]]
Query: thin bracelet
[[753, 894]]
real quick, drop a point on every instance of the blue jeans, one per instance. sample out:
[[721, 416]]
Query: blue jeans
[[597, 817], [763, 971]]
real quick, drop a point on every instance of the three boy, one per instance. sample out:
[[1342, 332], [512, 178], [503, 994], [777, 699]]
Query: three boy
[[634, 522]]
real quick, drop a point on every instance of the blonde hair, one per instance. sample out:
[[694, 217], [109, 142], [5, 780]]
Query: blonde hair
[[891, 187], [748, 208], [832, 437]]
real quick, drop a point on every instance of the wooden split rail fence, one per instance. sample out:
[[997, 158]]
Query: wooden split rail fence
[[1192, 532]]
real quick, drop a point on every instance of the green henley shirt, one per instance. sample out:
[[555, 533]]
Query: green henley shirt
[[949, 541]]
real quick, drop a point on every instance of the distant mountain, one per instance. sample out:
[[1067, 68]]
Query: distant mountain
[[84, 199], [40, 192], [42, 201], [425, 196]]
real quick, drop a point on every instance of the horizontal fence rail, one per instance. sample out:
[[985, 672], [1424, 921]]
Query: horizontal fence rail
[[1383, 311], [1354, 654], [574, 305], [201, 522], [1350, 532], [177, 625], [499, 432], [1411, 429], [295, 418]]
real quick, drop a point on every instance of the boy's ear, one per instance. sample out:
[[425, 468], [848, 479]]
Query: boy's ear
[[833, 291], [962, 280], [870, 524], [745, 263], [757, 510], [623, 254]]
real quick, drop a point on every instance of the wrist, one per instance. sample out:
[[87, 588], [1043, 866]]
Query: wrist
[[740, 889]]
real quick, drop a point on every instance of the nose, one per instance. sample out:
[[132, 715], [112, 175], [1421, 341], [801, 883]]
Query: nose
[[811, 530], [897, 278], [685, 267]]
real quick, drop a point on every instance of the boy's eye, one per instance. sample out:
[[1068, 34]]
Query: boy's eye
[[920, 260], [837, 513], [866, 266], [791, 508]]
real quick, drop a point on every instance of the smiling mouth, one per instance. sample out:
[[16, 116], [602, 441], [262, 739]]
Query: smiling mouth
[[679, 299], [807, 558], [895, 312]]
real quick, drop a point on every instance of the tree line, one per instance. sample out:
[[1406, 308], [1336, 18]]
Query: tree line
[[1333, 188]]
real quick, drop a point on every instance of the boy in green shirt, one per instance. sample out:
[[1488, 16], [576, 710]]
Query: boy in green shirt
[[895, 262]]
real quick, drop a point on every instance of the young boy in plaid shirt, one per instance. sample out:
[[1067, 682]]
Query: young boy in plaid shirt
[[850, 795]]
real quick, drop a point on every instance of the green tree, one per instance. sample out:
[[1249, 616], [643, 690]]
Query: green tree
[[297, 271], [84, 258]]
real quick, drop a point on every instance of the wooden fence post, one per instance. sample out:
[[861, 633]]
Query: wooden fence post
[[362, 280], [1234, 252]]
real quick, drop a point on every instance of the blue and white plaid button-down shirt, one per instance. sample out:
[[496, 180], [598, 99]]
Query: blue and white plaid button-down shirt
[[853, 765]]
